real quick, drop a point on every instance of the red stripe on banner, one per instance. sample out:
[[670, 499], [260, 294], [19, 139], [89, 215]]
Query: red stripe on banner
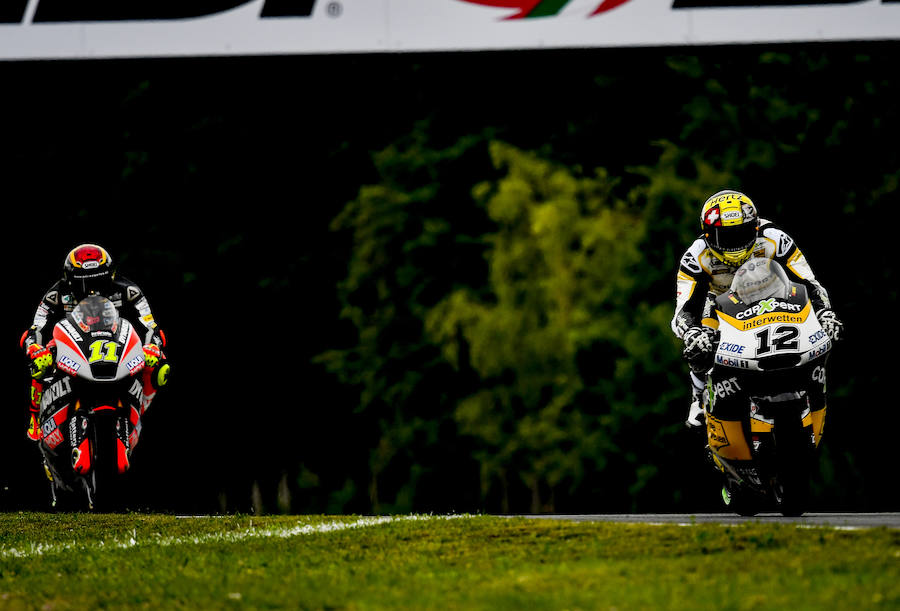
[[608, 5], [524, 6]]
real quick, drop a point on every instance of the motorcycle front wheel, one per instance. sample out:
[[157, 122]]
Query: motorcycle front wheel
[[742, 502], [794, 450]]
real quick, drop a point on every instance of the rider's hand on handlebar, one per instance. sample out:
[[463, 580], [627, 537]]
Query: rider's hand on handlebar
[[698, 347], [153, 357], [833, 327], [697, 343], [152, 354], [41, 359]]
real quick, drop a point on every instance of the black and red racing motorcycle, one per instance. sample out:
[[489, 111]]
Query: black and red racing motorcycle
[[90, 404]]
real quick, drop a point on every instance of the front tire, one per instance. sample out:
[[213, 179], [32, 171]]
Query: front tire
[[742, 502], [794, 450], [102, 483]]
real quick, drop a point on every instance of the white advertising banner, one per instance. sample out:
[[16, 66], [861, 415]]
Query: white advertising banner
[[58, 29]]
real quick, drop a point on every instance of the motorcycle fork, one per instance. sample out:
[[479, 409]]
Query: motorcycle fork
[[83, 447], [82, 455], [127, 431]]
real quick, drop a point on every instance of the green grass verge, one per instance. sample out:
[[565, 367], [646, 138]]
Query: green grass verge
[[77, 561]]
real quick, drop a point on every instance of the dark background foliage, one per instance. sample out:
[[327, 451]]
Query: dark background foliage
[[233, 191]]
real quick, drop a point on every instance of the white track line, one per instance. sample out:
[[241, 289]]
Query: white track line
[[42, 549]]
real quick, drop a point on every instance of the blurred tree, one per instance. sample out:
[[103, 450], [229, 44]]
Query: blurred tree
[[571, 349], [415, 236]]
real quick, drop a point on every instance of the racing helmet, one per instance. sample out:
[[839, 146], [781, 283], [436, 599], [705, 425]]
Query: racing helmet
[[759, 279], [88, 270], [730, 223]]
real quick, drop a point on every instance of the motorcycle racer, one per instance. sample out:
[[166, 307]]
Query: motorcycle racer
[[88, 269], [731, 233]]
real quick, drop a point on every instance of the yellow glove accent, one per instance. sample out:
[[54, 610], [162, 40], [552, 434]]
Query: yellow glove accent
[[41, 360], [162, 376], [34, 429], [151, 355]]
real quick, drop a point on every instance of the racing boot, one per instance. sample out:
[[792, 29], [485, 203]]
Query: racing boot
[[34, 431], [696, 414], [54, 500]]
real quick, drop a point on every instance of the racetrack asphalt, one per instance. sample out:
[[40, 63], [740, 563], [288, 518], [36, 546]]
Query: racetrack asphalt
[[834, 520]]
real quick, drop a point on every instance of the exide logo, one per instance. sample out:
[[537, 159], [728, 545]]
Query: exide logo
[[55, 11], [527, 9]]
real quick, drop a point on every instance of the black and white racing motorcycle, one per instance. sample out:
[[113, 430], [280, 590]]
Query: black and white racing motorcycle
[[769, 361]]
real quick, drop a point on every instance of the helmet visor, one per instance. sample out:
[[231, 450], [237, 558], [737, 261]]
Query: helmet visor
[[87, 282], [735, 238]]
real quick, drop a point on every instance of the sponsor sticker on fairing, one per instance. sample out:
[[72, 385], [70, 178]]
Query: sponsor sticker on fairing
[[135, 364], [726, 388], [732, 348], [59, 389], [817, 336], [768, 305], [53, 439], [65, 324], [136, 390], [727, 361], [817, 352], [67, 364]]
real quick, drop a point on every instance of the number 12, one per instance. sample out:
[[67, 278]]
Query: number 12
[[783, 338]]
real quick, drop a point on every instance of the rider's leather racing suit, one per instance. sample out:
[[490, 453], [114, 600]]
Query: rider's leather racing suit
[[701, 273], [124, 294], [702, 277]]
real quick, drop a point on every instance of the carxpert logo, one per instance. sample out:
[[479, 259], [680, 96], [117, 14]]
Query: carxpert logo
[[529, 9], [62, 11]]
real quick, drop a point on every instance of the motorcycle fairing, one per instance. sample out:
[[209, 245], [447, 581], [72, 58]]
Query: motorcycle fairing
[[726, 439], [771, 334], [95, 355], [51, 427]]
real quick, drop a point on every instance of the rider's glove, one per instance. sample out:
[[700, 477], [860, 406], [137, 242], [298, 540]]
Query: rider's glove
[[41, 359], [830, 324], [152, 354], [698, 347], [153, 357]]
